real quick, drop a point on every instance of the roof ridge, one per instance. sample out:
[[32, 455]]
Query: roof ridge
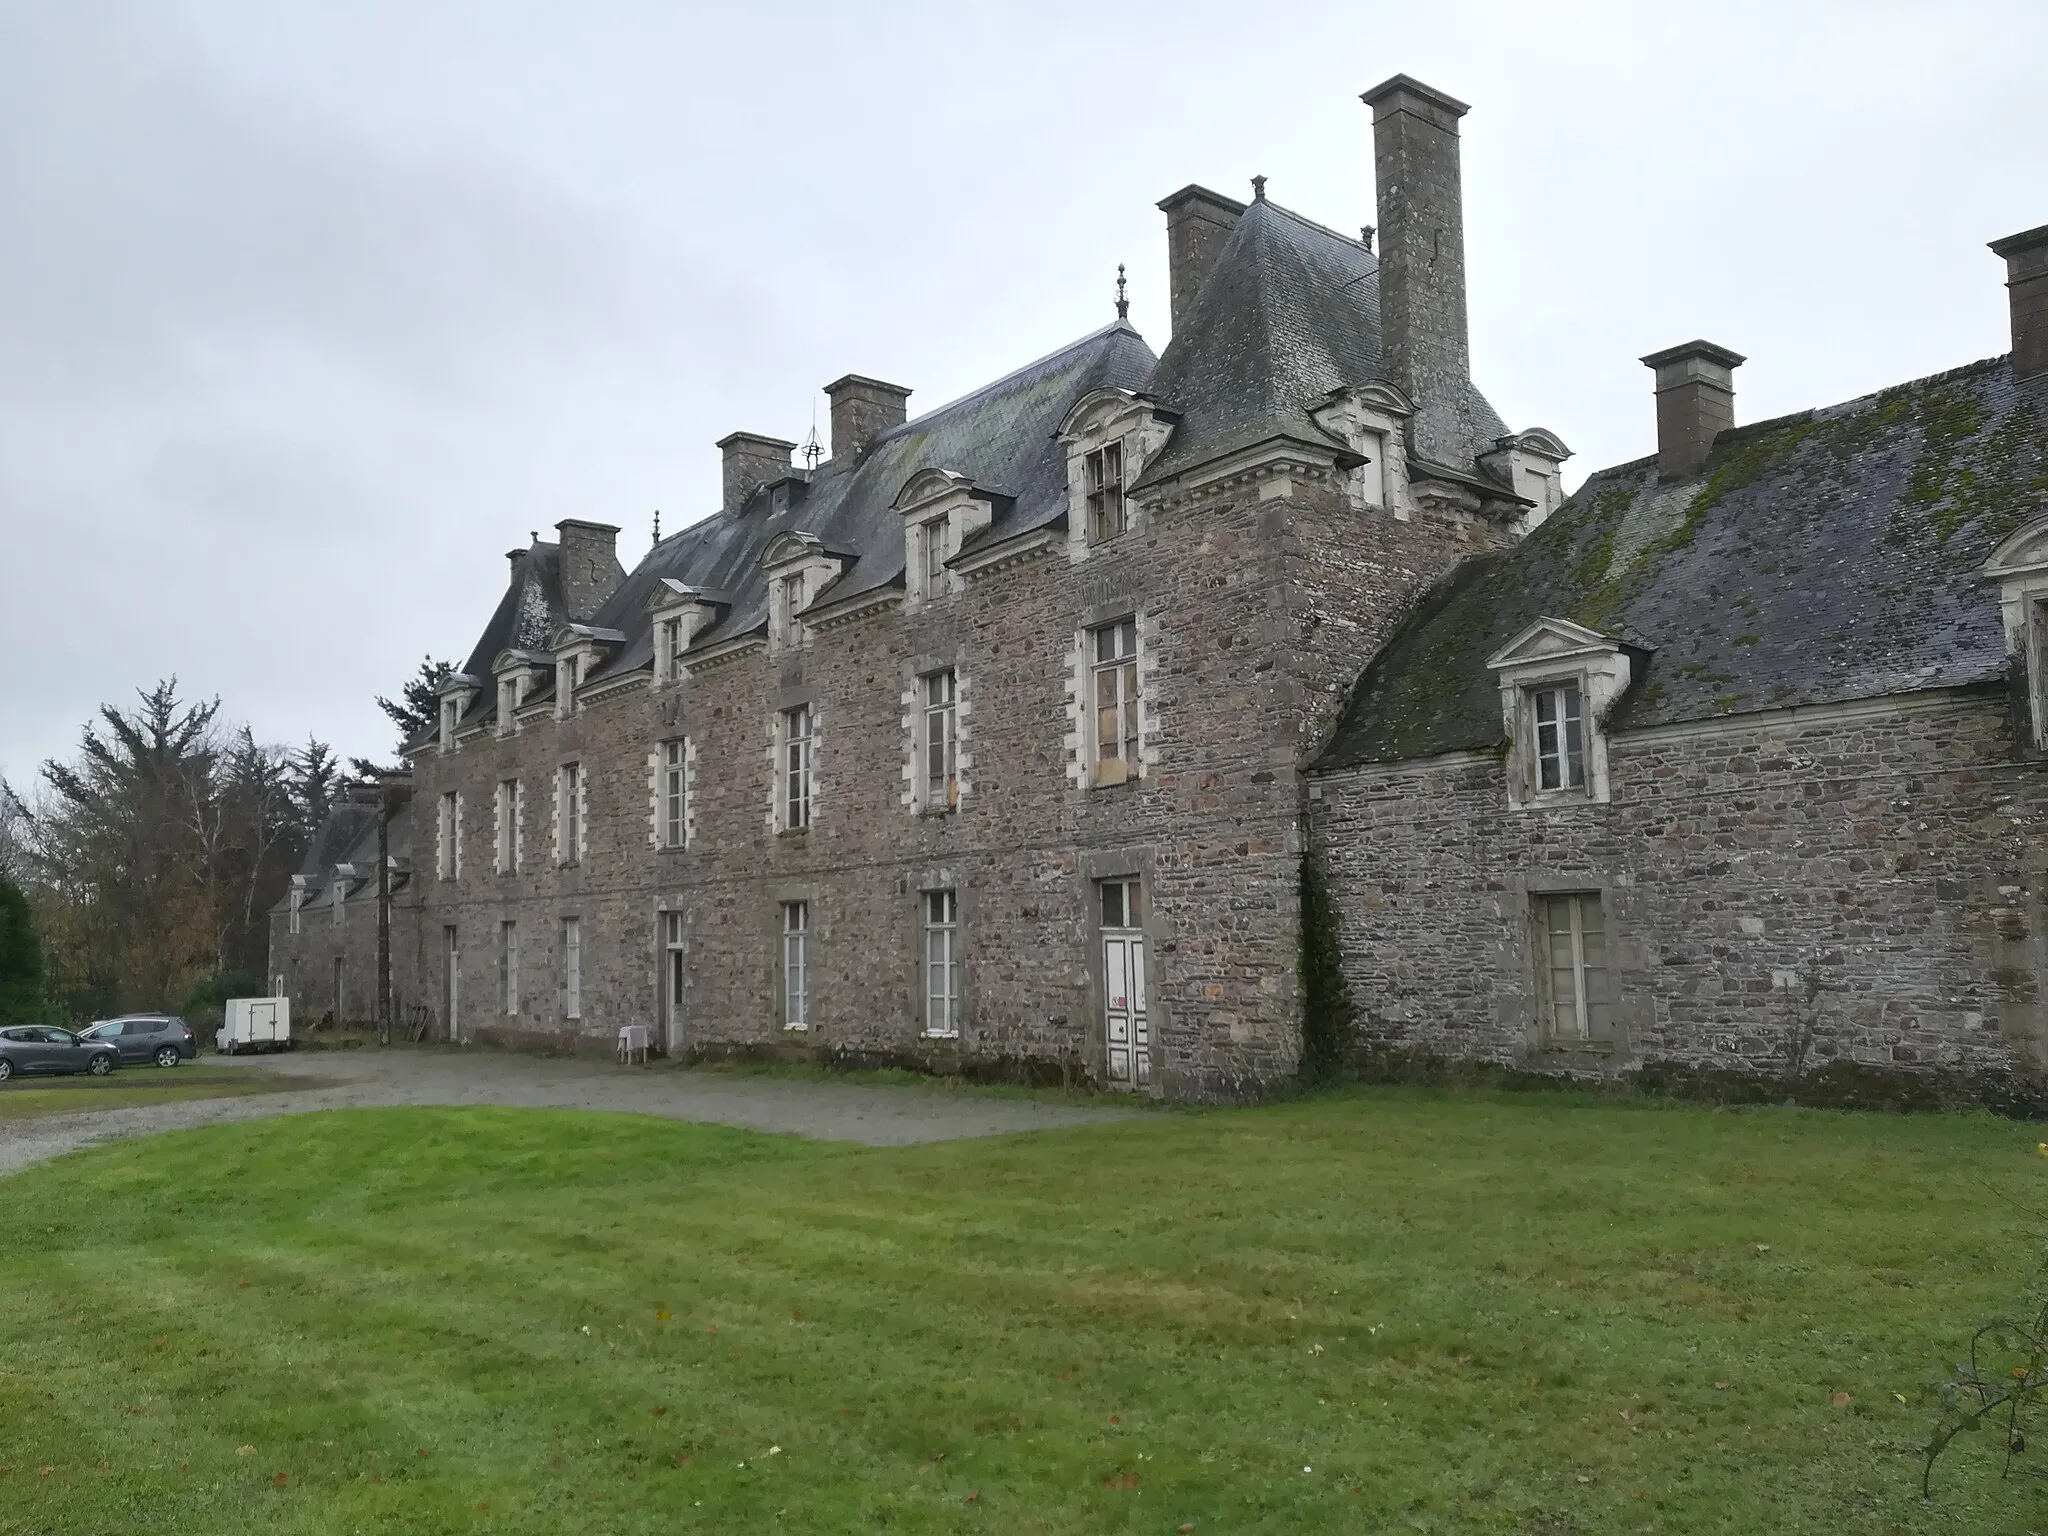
[[1301, 218], [996, 384]]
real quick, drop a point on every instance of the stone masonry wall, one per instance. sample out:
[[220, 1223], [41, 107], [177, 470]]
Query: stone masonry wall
[[1862, 883]]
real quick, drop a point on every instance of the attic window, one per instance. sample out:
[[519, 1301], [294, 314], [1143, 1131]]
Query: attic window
[[451, 714], [2020, 567], [1558, 681], [931, 539], [673, 643], [1558, 716], [1106, 510], [789, 602]]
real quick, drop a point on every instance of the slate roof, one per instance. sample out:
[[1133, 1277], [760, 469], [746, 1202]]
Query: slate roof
[[1289, 313], [348, 836], [1822, 557]]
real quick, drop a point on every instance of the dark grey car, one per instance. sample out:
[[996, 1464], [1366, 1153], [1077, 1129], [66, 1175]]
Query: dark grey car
[[27, 1048], [157, 1037]]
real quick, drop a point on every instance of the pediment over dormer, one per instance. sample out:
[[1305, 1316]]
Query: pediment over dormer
[[1540, 441], [458, 683], [797, 544], [513, 660], [669, 593], [930, 485], [2023, 553], [1549, 640], [1105, 410], [570, 637], [1383, 397]]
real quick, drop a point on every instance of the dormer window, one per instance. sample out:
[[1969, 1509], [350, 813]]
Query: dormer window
[[567, 670], [1105, 471], [679, 614], [673, 641], [789, 602], [1559, 717], [508, 704], [2020, 567], [1558, 681], [942, 512], [931, 542], [451, 715]]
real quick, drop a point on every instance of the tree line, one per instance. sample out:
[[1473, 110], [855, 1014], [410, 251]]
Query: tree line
[[140, 872]]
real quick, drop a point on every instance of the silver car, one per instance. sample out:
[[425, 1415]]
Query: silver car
[[27, 1048], [158, 1037]]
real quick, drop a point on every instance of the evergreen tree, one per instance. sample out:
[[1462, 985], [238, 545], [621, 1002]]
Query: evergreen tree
[[418, 706], [21, 957]]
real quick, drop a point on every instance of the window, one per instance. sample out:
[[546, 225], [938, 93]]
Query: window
[[941, 963], [670, 639], [1577, 1004], [451, 713], [1105, 470], [298, 900], [789, 602], [796, 965], [506, 812], [796, 763], [569, 813], [508, 704], [675, 975], [675, 772], [508, 967], [941, 742], [340, 995], [1120, 907], [338, 895], [449, 825], [1560, 737], [1372, 474], [572, 967], [931, 542], [1115, 670]]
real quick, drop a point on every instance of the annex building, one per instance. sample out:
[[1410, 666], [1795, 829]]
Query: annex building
[[996, 741]]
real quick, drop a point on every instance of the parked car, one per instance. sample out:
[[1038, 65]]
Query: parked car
[[158, 1037], [27, 1048]]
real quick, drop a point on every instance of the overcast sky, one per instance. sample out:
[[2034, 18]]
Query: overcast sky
[[308, 313]]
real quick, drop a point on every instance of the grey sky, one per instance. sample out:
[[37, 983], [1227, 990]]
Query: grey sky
[[309, 312]]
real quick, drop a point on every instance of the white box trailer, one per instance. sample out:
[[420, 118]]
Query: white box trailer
[[255, 1024]]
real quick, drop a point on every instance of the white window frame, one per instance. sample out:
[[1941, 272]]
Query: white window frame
[[1555, 713], [505, 812], [796, 965], [1587, 968], [941, 967], [674, 790], [451, 716], [932, 554], [938, 741], [790, 600], [508, 968], [298, 902], [1547, 659], [448, 826], [797, 766], [1108, 502], [1113, 670], [572, 967]]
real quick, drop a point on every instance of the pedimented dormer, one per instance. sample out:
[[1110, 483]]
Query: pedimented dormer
[[1558, 683], [518, 673], [579, 650], [457, 692], [940, 510], [679, 613], [2020, 567], [799, 567], [1110, 436], [1369, 420], [1532, 463]]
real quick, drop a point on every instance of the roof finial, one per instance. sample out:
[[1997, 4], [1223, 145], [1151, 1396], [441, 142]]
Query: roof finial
[[1365, 237], [812, 450], [1123, 305], [657, 525], [1258, 189]]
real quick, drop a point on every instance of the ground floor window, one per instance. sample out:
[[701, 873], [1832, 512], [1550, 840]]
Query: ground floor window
[[796, 965], [572, 967], [508, 967], [1126, 1025], [674, 973], [1578, 1005], [941, 963]]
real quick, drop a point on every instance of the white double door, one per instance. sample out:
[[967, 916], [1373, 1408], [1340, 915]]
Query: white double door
[[1125, 1031]]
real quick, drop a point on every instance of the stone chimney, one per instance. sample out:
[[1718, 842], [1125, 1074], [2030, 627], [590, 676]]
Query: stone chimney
[[1425, 343], [2026, 280], [590, 566], [1198, 221], [1695, 403], [751, 461], [862, 410]]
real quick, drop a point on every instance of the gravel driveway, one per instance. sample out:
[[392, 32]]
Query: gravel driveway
[[879, 1116]]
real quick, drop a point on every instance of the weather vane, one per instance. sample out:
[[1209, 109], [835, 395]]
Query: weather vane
[[1123, 305], [812, 450]]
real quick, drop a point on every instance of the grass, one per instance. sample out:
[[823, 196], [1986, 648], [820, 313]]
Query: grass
[[1384, 1311], [28, 1098]]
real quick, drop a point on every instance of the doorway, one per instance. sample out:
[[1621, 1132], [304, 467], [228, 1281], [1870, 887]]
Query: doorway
[[1126, 1032]]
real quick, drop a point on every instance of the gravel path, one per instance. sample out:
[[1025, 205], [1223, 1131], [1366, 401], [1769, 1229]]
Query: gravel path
[[879, 1116]]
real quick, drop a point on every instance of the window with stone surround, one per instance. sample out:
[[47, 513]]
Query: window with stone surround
[[448, 829], [572, 967], [569, 814], [939, 741], [508, 704], [670, 643], [1557, 719], [506, 817], [508, 967], [1113, 689], [796, 965], [798, 739], [1578, 1008], [941, 963], [931, 552], [675, 794], [1107, 514]]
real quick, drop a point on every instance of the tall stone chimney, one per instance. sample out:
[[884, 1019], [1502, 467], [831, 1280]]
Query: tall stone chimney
[[590, 566], [1695, 403], [751, 461], [1198, 221], [1425, 342], [2026, 281], [862, 410]]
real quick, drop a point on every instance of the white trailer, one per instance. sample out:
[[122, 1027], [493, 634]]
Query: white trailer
[[255, 1024]]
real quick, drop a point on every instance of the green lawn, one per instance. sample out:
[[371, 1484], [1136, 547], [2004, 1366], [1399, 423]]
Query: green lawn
[[28, 1098], [1382, 1312]]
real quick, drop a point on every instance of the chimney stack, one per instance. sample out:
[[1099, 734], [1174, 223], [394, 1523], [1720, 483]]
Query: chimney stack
[[2026, 280], [1424, 340], [590, 566], [1695, 403], [862, 410], [1198, 221], [751, 461]]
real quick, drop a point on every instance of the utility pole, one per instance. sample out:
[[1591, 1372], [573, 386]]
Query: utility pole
[[383, 912]]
